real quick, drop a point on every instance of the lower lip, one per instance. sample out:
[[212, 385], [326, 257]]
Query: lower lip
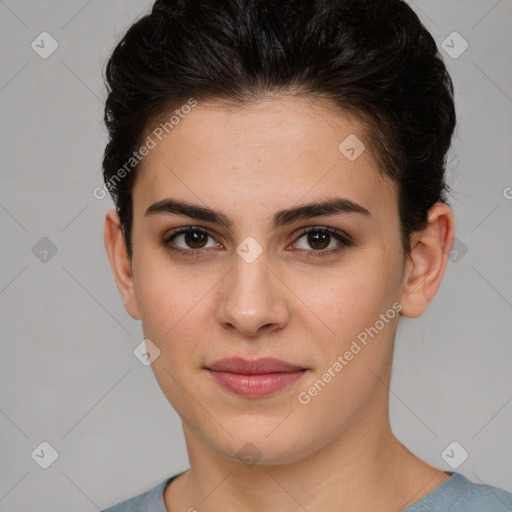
[[256, 385]]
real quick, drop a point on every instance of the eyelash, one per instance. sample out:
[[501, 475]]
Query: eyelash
[[339, 236]]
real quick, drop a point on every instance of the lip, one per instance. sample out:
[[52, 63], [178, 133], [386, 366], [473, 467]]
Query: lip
[[253, 366], [255, 378]]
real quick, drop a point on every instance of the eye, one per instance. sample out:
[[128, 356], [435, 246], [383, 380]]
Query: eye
[[320, 241], [189, 240], [314, 241]]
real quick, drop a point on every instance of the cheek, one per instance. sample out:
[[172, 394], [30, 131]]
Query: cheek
[[351, 304], [173, 317], [349, 300], [163, 298], [344, 383]]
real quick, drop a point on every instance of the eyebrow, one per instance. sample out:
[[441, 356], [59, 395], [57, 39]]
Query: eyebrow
[[281, 218]]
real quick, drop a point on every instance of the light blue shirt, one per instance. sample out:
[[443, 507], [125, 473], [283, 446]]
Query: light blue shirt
[[457, 494]]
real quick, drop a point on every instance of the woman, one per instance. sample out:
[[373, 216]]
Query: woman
[[278, 174]]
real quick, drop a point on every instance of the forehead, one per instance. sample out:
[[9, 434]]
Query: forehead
[[268, 153]]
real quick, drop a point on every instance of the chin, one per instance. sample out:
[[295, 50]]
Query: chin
[[269, 446]]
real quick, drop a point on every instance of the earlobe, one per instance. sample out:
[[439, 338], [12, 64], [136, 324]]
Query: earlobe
[[427, 260], [120, 262]]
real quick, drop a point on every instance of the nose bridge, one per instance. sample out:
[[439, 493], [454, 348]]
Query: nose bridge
[[251, 298]]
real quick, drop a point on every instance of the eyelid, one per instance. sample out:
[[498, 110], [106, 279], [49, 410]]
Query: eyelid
[[165, 241], [344, 242], [333, 231], [185, 229]]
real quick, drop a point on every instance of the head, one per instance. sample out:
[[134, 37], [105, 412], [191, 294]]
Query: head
[[304, 146]]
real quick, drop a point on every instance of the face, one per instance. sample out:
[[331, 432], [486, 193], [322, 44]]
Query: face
[[263, 270]]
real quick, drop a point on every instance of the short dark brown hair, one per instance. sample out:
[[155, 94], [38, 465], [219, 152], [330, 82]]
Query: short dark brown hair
[[374, 59]]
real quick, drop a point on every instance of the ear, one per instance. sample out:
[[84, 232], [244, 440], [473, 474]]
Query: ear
[[426, 263], [120, 262]]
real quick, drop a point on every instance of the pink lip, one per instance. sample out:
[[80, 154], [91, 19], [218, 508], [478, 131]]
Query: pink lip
[[255, 378], [253, 367]]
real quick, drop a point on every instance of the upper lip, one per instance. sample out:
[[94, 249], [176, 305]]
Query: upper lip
[[253, 366]]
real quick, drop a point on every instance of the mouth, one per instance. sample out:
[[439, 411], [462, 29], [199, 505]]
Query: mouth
[[255, 378]]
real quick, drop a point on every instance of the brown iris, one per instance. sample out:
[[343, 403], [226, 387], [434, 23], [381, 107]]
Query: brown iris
[[195, 239], [318, 240]]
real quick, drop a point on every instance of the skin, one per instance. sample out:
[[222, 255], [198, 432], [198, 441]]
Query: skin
[[249, 163]]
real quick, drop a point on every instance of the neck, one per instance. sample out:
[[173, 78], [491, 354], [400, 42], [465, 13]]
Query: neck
[[365, 468]]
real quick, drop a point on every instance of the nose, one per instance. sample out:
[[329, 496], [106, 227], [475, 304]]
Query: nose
[[253, 300]]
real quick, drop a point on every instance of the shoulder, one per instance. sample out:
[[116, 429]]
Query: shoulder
[[149, 501], [486, 497], [459, 494]]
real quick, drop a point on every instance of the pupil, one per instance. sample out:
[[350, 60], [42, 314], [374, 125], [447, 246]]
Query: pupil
[[195, 239], [322, 239]]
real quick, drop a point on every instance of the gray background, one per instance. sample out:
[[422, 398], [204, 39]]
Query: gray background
[[68, 373]]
